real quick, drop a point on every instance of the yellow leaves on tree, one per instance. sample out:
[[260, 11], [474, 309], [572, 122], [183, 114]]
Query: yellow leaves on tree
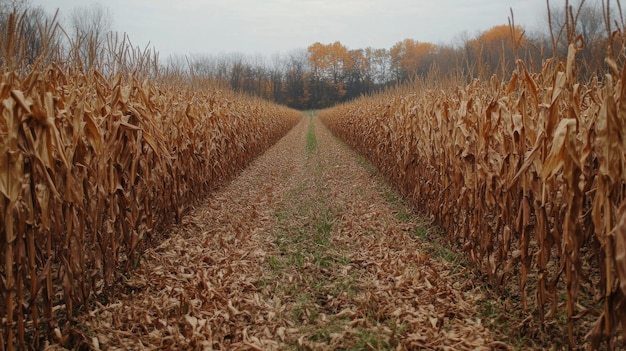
[[331, 63], [411, 57], [502, 36], [498, 47]]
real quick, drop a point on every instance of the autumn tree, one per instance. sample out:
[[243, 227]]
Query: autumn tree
[[496, 49], [411, 58], [330, 65]]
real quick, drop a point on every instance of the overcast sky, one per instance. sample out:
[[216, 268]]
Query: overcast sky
[[267, 27]]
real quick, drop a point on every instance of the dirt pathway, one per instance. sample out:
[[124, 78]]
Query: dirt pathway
[[307, 249]]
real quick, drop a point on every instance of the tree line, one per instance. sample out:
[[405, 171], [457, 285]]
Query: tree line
[[329, 73], [323, 74]]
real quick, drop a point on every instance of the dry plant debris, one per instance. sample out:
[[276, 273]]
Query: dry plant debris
[[301, 251], [525, 176], [93, 168]]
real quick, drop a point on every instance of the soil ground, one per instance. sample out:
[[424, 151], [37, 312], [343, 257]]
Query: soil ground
[[307, 249]]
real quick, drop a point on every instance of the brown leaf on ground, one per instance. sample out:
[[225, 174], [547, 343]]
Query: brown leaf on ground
[[302, 250]]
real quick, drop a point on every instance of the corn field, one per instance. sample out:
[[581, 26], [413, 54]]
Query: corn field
[[526, 176], [92, 169]]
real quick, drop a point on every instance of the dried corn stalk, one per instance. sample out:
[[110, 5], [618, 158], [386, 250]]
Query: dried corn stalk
[[526, 176], [91, 169]]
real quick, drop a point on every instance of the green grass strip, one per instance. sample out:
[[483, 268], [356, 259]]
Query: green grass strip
[[311, 140]]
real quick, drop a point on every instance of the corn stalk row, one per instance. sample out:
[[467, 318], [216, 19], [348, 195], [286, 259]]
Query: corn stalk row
[[92, 170], [526, 176]]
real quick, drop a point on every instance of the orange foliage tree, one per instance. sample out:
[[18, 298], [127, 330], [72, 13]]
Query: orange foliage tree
[[410, 58], [330, 66], [497, 48]]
